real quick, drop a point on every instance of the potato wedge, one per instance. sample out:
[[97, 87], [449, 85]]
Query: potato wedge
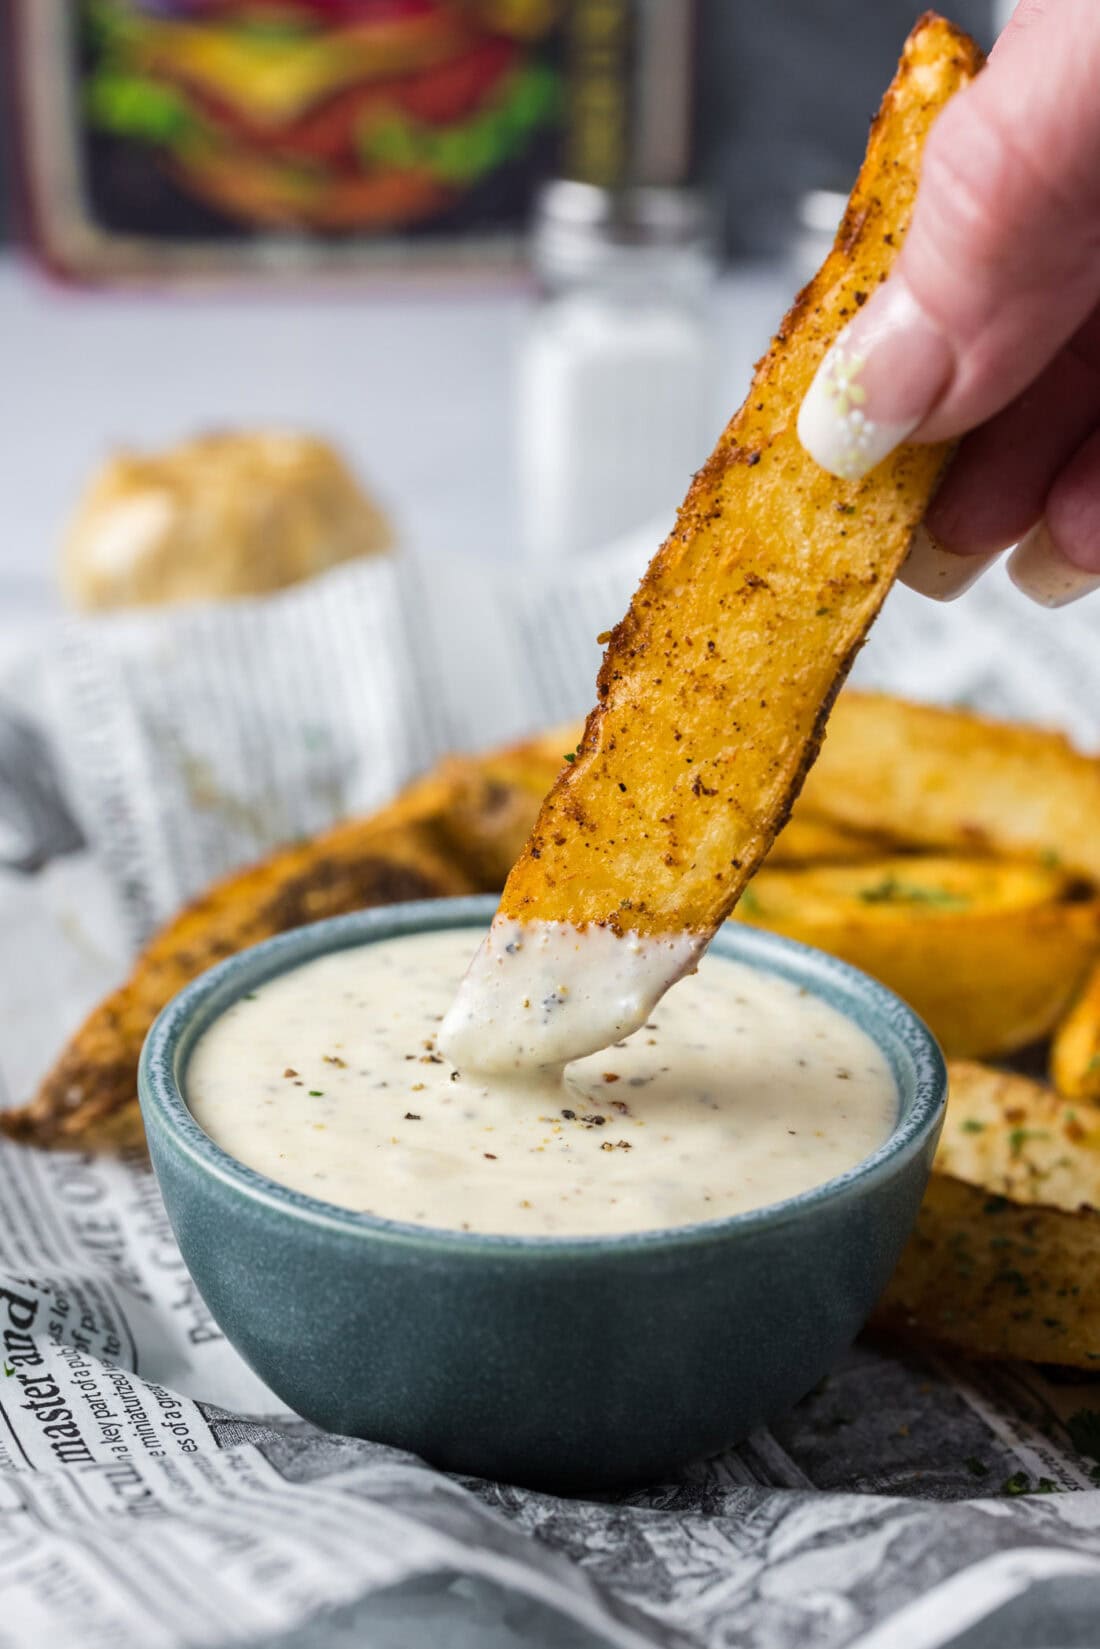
[[715, 687], [808, 840], [399, 854], [987, 951], [496, 799], [460, 829], [1017, 1138], [454, 831], [1008, 1236], [1075, 1051], [949, 779]]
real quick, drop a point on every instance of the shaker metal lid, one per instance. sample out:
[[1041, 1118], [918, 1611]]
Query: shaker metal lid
[[578, 224]]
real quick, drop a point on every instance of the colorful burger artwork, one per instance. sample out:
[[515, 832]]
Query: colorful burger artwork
[[199, 122]]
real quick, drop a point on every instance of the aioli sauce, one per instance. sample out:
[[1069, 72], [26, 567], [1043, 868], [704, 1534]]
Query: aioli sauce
[[740, 1090], [544, 993]]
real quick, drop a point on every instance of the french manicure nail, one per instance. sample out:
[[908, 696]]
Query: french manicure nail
[[880, 379], [1038, 568], [931, 570]]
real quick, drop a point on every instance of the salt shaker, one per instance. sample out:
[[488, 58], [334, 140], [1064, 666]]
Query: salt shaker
[[615, 396]]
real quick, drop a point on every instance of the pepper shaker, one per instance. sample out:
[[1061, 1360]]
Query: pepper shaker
[[615, 386]]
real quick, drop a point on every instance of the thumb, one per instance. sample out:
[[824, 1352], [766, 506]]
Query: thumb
[[1002, 260]]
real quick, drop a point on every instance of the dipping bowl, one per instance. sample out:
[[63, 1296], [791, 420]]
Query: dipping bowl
[[570, 1364]]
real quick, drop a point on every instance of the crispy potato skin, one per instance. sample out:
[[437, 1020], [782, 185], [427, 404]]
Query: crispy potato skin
[[1075, 1051], [988, 952], [953, 780], [1008, 1234], [715, 687]]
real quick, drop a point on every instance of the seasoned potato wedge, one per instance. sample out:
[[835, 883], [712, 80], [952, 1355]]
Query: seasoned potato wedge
[[987, 951], [454, 831], [399, 854], [1075, 1051], [808, 840], [495, 798], [1015, 1137], [1007, 1241], [715, 687], [953, 780]]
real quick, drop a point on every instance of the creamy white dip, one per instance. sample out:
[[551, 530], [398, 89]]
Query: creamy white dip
[[545, 993], [740, 1090]]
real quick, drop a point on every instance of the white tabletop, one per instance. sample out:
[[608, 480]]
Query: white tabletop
[[417, 390]]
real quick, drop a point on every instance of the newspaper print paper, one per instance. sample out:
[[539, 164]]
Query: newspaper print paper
[[152, 1492]]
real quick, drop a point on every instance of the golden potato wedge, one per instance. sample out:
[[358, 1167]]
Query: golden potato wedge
[[496, 799], [1017, 1138], [987, 951], [949, 779], [454, 831], [715, 687], [808, 840], [1075, 1050], [1007, 1241], [457, 830], [396, 855]]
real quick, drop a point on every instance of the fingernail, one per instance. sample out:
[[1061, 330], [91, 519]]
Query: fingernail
[[880, 379], [1038, 568], [931, 570]]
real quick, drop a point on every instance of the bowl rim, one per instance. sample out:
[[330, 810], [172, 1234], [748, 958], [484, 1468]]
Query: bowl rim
[[896, 1029]]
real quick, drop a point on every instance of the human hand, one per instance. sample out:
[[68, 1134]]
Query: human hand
[[989, 325]]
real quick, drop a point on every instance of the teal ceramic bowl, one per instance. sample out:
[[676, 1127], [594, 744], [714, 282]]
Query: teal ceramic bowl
[[571, 1364]]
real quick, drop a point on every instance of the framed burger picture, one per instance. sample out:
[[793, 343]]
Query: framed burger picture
[[205, 138]]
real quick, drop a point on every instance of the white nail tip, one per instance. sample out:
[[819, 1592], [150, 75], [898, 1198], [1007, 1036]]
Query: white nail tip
[[833, 424], [933, 571], [1040, 571]]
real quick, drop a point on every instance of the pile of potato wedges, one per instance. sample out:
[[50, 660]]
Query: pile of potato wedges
[[953, 857]]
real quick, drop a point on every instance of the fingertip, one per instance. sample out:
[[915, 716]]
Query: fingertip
[[935, 571], [1041, 570]]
